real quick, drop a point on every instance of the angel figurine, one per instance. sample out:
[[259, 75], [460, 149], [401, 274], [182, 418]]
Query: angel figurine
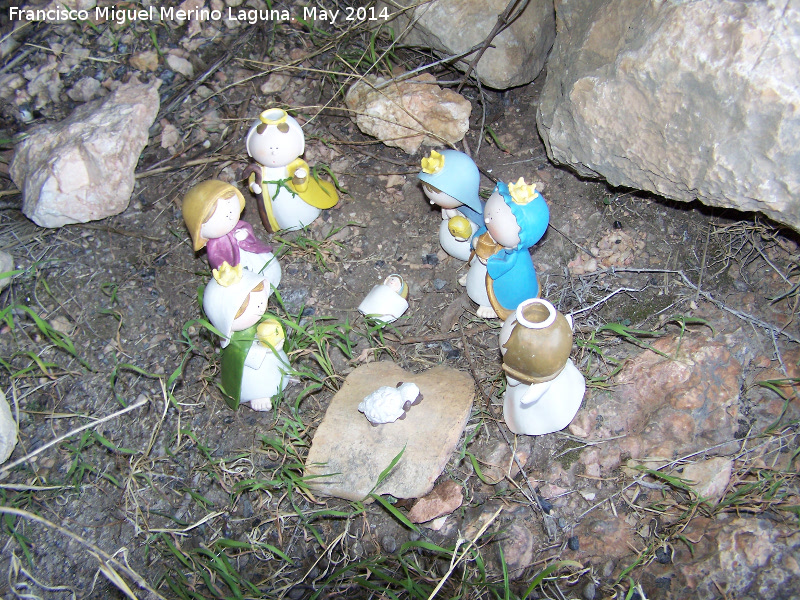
[[289, 197]]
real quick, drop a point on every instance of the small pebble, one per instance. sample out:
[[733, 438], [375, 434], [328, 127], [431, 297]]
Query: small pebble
[[562, 522], [439, 284], [309, 311], [246, 507], [664, 557], [546, 505], [167, 76], [430, 259], [617, 225], [573, 543], [297, 592], [380, 263], [664, 583], [550, 526], [389, 543], [589, 591]]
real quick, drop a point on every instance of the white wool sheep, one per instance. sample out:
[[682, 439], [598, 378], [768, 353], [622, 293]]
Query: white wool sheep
[[387, 404]]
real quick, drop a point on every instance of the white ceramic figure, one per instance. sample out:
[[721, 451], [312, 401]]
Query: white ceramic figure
[[289, 197], [211, 212], [451, 180], [386, 302], [544, 389], [253, 365], [388, 404]]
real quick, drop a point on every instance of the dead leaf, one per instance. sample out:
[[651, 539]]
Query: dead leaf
[[453, 312]]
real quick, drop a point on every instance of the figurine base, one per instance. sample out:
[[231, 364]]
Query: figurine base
[[543, 408]]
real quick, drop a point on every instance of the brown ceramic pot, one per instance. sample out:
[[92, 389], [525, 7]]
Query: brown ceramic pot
[[539, 342]]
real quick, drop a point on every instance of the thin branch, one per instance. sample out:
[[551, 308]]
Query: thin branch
[[502, 22], [102, 556], [69, 434]]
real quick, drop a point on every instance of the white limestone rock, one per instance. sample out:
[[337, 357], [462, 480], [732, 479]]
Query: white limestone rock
[[6, 265], [8, 429], [82, 168], [410, 113], [451, 27], [690, 100]]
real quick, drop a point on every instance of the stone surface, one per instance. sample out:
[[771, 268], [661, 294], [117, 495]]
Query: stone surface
[[518, 545], [6, 265], [604, 537], [664, 406], [710, 477], [8, 429], [443, 499], [748, 557], [685, 99], [451, 27], [348, 454], [82, 168], [410, 113], [500, 461]]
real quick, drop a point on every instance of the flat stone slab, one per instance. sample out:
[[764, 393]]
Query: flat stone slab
[[350, 454]]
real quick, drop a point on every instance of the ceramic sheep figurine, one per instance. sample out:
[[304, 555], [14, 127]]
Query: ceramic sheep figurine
[[388, 404]]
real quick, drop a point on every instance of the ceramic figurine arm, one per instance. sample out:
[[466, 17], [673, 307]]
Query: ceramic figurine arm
[[535, 392], [223, 249], [502, 262], [299, 167], [254, 186], [256, 355], [247, 239]]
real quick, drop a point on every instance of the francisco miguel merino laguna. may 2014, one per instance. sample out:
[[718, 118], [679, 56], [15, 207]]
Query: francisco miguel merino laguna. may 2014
[[165, 13]]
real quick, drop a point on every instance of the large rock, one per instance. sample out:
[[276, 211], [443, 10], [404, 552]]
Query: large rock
[[8, 429], [82, 168], [747, 557], [6, 267], [410, 113], [451, 27], [348, 454], [664, 405], [685, 99]]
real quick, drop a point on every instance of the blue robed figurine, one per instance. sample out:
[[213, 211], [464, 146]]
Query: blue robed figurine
[[451, 180], [516, 217]]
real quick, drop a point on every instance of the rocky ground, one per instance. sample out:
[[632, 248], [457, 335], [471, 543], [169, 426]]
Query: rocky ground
[[677, 479]]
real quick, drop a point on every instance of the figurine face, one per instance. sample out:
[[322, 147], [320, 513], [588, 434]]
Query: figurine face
[[252, 308], [500, 221], [439, 197], [223, 219], [394, 282], [273, 143]]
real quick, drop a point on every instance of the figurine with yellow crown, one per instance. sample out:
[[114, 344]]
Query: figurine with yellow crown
[[289, 196], [211, 212], [451, 180], [253, 365], [516, 217]]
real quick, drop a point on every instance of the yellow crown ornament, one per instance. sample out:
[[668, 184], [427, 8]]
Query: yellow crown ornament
[[522, 193], [433, 164], [227, 275]]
